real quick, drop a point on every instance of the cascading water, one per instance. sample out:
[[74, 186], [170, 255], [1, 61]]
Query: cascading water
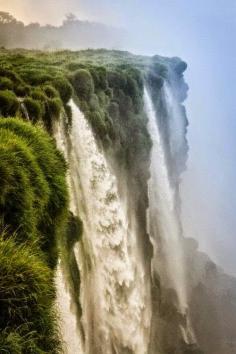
[[114, 295], [163, 219]]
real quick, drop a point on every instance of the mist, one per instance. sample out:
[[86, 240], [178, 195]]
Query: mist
[[203, 34]]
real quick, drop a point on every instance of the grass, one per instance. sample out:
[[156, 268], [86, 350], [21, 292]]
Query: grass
[[35, 148], [9, 104], [27, 320], [33, 211]]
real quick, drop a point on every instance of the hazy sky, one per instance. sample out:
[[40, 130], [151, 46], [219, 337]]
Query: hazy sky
[[202, 32]]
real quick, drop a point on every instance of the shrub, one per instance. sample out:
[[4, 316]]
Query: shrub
[[38, 94], [97, 121], [83, 83], [94, 102], [10, 75], [9, 104], [116, 79], [22, 90], [54, 106], [34, 109], [50, 91], [5, 84], [75, 66], [64, 88], [35, 76], [132, 90], [99, 75]]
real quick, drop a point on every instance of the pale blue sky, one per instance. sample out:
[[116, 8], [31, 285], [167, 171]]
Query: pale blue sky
[[202, 32]]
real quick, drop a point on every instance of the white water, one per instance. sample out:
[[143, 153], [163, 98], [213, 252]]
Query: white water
[[71, 336], [114, 295], [164, 227], [177, 126]]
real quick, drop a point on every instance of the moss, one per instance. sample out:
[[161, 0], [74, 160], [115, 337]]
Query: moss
[[9, 104]]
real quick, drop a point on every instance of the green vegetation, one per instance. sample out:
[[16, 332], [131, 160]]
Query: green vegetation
[[5, 84], [70, 266], [83, 83], [64, 88], [27, 322], [33, 212], [108, 87], [9, 104], [34, 108]]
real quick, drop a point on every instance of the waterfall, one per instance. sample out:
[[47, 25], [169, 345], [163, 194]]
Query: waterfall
[[163, 215], [24, 111], [163, 222], [114, 293]]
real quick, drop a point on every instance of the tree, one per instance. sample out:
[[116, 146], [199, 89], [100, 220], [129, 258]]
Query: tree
[[6, 18]]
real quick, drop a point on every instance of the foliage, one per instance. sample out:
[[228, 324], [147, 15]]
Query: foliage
[[34, 108], [50, 91], [33, 210], [9, 104], [73, 234], [5, 84], [35, 76], [83, 83], [26, 297], [54, 107], [64, 88], [22, 90], [33, 184]]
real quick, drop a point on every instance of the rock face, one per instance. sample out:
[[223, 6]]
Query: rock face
[[210, 293]]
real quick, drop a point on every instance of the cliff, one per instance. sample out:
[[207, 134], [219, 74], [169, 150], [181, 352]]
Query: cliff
[[38, 224]]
